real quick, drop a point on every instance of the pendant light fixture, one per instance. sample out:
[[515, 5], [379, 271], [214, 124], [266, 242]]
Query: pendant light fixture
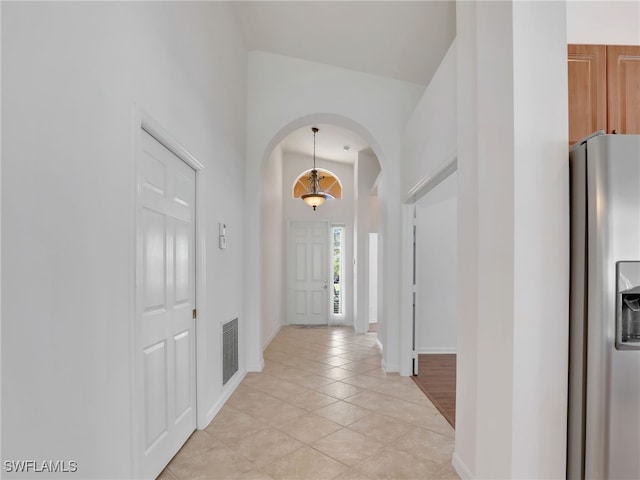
[[315, 197]]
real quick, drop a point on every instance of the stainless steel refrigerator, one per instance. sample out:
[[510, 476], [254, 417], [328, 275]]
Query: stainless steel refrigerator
[[604, 363]]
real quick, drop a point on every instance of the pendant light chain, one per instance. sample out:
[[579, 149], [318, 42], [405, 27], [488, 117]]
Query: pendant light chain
[[315, 197], [315, 130]]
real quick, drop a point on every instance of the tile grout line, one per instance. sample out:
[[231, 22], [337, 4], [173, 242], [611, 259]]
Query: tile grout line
[[287, 364]]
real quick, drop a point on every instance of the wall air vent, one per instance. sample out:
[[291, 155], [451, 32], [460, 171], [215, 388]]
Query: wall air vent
[[229, 350]]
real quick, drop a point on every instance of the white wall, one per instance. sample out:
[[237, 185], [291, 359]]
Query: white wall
[[366, 170], [429, 138], [285, 94], [340, 211], [603, 22], [428, 142], [372, 299], [273, 236], [436, 269], [512, 240], [72, 74]]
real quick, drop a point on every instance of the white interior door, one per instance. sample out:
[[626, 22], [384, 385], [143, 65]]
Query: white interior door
[[308, 273], [165, 413]]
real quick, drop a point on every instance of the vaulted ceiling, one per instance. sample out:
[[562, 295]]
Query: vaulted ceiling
[[404, 40]]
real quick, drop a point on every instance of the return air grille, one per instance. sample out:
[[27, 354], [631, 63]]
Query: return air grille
[[229, 350]]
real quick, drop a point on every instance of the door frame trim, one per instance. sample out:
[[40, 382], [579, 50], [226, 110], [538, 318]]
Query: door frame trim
[[419, 190], [142, 120]]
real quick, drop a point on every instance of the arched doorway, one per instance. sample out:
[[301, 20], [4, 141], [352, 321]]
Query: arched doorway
[[355, 215]]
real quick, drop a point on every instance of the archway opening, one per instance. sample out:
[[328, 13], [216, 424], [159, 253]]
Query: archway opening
[[285, 170]]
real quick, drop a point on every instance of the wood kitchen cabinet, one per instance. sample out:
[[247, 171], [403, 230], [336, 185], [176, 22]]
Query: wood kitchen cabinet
[[623, 89], [587, 90], [604, 90]]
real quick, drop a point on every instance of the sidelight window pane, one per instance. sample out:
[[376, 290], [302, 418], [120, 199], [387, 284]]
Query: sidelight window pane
[[337, 236]]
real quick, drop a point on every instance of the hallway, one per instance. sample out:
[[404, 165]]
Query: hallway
[[322, 408]]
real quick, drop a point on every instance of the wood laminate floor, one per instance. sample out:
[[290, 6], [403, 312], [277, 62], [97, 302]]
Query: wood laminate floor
[[437, 379]]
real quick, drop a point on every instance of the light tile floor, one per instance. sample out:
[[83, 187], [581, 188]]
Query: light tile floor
[[322, 408]]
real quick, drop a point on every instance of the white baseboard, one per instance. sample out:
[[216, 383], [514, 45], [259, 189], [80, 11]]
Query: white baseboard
[[340, 322], [227, 391], [390, 367], [256, 367], [271, 337], [463, 471], [435, 350]]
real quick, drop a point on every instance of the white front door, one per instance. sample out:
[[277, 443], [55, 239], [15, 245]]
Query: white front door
[[165, 388], [308, 273]]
